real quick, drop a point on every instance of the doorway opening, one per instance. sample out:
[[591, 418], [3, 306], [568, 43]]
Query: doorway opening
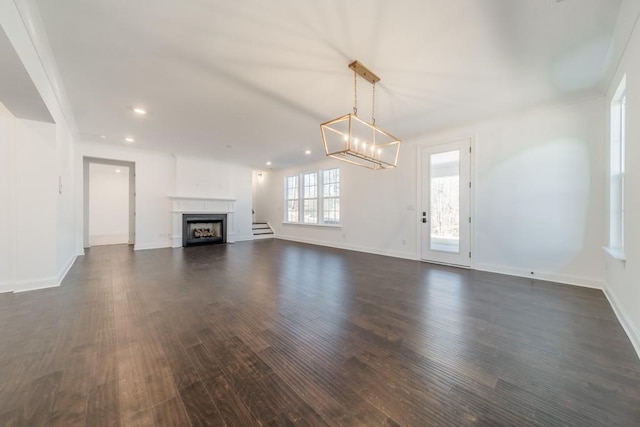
[[109, 202]]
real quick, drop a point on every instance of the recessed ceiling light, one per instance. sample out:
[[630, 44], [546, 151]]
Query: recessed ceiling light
[[129, 139], [268, 163], [139, 110], [102, 136], [307, 152], [118, 171]]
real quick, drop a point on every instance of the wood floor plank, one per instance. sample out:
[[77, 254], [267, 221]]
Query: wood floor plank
[[323, 389], [206, 366], [102, 405], [40, 398], [184, 374], [233, 410], [322, 401], [283, 333], [171, 413], [245, 370], [142, 418], [294, 407], [199, 407], [11, 418], [132, 390]]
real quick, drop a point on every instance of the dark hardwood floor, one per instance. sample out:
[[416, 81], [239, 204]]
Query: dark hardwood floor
[[279, 333]]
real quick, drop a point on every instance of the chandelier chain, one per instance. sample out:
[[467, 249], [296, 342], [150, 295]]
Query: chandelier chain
[[355, 93], [373, 105]]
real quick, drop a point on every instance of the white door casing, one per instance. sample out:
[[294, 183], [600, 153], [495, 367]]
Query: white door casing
[[445, 203]]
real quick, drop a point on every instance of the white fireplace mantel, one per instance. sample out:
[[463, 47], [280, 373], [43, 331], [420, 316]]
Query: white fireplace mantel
[[195, 205]]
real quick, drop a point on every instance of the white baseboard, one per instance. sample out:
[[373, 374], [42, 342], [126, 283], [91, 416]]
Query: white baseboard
[[5, 287], [586, 282], [34, 285], [368, 250], [154, 245], [244, 238], [625, 320], [66, 268]]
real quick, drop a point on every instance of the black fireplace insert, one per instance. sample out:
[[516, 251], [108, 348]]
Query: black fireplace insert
[[204, 229]]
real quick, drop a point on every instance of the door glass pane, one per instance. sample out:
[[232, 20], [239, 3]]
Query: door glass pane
[[445, 202]]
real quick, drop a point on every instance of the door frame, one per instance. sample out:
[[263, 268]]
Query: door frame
[[472, 205], [86, 161]]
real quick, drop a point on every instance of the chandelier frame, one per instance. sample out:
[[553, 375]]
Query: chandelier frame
[[354, 140]]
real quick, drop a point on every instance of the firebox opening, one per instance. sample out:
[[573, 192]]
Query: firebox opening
[[202, 230]]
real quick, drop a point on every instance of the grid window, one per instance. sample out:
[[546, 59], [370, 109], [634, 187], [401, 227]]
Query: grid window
[[313, 197], [310, 194], [292, 191], [331, 196]]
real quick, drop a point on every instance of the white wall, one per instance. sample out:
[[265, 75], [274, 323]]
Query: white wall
[[29, 216], [6, 198], [622, 283], [66, 226], [155, 180], [199, 177], [538, 192], [196, 177], [538, 196], [160, 175], [378, 208], [108, 204], [41, 153], [36, 203]]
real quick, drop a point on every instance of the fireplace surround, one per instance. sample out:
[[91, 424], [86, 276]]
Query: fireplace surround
[[200, 207]]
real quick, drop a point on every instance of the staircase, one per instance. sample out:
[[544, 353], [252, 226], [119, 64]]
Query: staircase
[[262, 230]]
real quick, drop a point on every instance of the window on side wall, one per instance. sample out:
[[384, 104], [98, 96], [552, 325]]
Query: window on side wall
[[313, 198], [292, 199], [331, 196], [617, 171]]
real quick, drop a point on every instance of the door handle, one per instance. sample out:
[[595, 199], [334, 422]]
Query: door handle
[[424, 220]]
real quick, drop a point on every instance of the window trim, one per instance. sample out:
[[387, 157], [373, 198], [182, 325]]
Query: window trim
[[322, 185], [287, 199], [319, 199], [304, 186], [617, 142]]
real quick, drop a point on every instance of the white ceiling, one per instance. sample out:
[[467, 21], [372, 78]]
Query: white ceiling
[[250, 81]]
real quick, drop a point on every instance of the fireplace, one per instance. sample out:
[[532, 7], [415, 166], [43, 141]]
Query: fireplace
[[204, 229]]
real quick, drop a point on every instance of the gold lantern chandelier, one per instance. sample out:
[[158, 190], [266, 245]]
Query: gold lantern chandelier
[[353, 140]]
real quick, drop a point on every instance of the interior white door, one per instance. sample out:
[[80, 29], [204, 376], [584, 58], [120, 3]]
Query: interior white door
[[445, 201]]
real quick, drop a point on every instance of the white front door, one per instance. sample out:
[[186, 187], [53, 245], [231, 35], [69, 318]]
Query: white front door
[[445, 203]]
